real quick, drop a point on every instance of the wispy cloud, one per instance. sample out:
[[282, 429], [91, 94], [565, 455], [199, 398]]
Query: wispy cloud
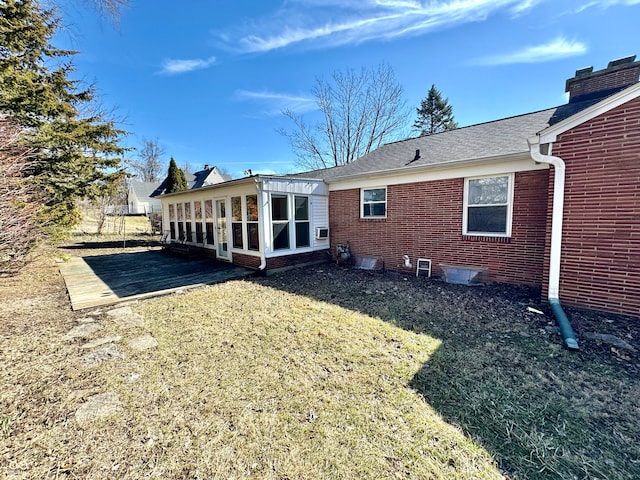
[[313, 24], [175, 67], [557, 49], [272, 103]]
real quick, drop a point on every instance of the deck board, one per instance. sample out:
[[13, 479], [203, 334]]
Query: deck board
[[99, 280]]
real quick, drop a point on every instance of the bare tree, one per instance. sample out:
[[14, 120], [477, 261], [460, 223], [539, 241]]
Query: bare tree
[[20, 201], [360, 111], [148, 166], [187, 168], [110, 9]]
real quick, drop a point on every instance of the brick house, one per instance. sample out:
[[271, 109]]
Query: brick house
[[548, 199]]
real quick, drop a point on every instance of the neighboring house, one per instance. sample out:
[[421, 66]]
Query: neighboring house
[[143, 196], [548, 199], [207, 176], [140, 200]]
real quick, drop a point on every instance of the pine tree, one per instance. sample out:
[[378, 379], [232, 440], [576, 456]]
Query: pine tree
[[176, 180], [434, 114], [76, 154]]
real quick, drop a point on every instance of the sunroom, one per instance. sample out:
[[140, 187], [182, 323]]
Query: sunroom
[[261, 222]]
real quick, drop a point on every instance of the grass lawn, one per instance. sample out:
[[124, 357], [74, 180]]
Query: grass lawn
[[321, 373]]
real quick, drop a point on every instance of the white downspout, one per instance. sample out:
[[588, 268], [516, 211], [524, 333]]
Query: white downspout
[[262, 215], [557, 214]]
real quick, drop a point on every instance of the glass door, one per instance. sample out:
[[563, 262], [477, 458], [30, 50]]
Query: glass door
[[221, 229]]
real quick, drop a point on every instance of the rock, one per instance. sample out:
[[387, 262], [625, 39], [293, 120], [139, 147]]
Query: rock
[[105, 354], [101, 341], [143, 343], [553, 330], [85, 320], [125, 317], [98, 407], [84, 330], [609, 340], [132, 377]]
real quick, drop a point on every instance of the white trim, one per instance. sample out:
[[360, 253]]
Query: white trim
[[509, 205], [386, 201], [550, 134], [516, 163]]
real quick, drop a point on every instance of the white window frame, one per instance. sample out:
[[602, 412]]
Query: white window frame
[[508, 204], [296, 222], [362, 202], [286, 222]]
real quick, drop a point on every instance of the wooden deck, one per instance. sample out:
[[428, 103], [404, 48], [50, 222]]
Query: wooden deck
[[99, 280]]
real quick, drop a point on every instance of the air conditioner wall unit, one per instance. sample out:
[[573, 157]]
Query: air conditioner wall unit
[[322, 233]]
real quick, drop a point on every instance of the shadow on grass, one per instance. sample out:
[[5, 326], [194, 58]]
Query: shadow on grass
[[113, 244], [540, 410]]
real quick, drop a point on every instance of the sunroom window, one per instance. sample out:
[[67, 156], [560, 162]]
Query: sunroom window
[[302, 221], [280, 221], [488, 206], [253, 237]]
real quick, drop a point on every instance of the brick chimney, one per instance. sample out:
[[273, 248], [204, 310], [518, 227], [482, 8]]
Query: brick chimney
[[588, 85]]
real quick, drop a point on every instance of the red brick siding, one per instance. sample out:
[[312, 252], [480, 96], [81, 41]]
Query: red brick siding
[[425, 220], [600, 267], [298, 259], [597, 83], [248, 261]]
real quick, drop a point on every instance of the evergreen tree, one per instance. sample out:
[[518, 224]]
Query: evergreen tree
[[434, 114], [76, 154], [176, 180]]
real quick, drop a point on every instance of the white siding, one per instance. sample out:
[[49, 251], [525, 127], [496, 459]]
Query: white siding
[[319, 218]]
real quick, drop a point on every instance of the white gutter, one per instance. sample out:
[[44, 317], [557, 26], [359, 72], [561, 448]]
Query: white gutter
[[557, 214]]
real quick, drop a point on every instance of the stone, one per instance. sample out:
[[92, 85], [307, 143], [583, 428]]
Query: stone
[[98, 407], [107, 353], [609, 340], [132, 377], [85, 320], [84, 330], [125, 317], [102, 341], [143, 342]]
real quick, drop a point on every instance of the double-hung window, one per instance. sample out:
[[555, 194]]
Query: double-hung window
[[197, 209], [280, 221], [236, 222], [373, 202], [188, 226], [172, 221], [208, 218], [488, 204], [302, 221], [253, 237]]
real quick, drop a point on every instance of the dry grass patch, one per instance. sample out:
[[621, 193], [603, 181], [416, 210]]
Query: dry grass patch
[[277, 385], [315, 374]]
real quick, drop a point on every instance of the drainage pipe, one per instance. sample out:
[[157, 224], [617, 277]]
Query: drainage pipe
[[568, 335], [261, 215]]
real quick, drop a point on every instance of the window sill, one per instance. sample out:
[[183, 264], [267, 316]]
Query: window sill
[[373, 219], [486, 239]]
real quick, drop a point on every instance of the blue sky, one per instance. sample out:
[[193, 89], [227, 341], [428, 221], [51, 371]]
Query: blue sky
[[208, 79]]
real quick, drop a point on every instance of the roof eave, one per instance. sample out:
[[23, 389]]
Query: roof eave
[[524, 155]]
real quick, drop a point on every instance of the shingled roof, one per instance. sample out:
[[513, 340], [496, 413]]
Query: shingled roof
[[499, 138]]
